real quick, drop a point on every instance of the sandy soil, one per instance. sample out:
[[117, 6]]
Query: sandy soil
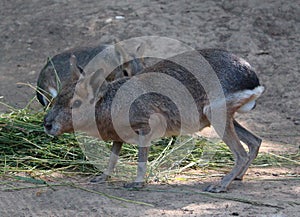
[[266, 33]]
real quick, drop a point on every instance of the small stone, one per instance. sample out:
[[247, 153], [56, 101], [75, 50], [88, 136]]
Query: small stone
[[109, 20], [29, 41], [119, 17], [32, 72]]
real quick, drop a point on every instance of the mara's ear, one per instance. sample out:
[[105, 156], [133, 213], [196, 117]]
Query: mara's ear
[[75, 70], [140, 50], [50, 62], [121, 54], [98, 84]]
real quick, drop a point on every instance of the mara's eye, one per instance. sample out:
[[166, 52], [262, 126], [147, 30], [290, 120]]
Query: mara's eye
[[125, 73], [76, 104]]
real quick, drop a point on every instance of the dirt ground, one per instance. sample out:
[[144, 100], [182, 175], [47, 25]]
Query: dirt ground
[[266, 33]]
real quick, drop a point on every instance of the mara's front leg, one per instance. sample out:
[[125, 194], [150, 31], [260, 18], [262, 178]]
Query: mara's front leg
[[158, 127], [113, 159], [141, 169]]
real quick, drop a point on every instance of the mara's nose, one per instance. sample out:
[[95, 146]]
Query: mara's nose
[[47, 125]]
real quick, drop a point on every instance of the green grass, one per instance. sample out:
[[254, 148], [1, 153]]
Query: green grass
[[26, 148]]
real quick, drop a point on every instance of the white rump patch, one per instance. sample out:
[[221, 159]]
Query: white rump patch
[[53, 92], [247, 107], [236, 99], [245, 94]]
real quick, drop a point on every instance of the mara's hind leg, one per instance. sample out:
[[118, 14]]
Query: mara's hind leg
[[241, 157], [253, 142]]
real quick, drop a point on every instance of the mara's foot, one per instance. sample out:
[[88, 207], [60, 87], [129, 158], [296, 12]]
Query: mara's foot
[[100, 179], [134, 185], [215, 189]]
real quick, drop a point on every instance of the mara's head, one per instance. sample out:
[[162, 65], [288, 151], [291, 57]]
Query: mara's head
[[130, 61], [74, 107], [123, 60]]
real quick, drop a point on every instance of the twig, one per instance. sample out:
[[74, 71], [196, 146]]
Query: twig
[[32, 187], [111, 196], [296, 178], [220, 196], [81, 188], [285, 158]]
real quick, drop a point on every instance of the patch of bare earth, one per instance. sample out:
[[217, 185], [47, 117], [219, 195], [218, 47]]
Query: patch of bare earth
[[266, 33]]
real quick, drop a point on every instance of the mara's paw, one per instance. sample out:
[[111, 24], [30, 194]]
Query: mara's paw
[[239, 178], [215, 189], [135, 185]]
